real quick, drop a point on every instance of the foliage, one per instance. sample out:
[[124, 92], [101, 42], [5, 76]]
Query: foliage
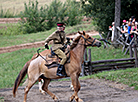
[[32, 18], [10, 29], [44, 19], [73, 12], [103, 11], [7, 13]]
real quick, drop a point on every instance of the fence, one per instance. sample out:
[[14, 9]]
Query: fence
[[90, 67]]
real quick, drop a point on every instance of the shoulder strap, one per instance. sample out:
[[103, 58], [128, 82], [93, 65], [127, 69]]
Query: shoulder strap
[[61, 38]]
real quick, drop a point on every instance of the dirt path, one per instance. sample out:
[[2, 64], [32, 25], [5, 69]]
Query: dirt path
[[92, 90]]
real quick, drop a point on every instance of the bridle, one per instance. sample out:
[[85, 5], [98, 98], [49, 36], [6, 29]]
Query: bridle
[[92, 42]]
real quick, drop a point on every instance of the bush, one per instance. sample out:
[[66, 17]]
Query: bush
[[73, 12], [34, 20], [11, 29]]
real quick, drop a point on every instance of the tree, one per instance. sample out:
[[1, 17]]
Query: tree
[[102, 12], [117, 19]]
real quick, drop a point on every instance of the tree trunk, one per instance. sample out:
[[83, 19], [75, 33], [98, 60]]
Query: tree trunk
[[117, 20]]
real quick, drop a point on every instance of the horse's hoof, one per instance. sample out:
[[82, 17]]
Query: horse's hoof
[[56, 100], [80, 100], [70, 100], [43, 93]]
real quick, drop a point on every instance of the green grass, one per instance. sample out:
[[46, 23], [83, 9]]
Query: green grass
[[1, 99], [40, 36], [128, 76], [18, 5], [11, 63]]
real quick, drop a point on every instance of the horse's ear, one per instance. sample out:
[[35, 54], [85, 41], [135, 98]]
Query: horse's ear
[[83, 32], [79, 32]]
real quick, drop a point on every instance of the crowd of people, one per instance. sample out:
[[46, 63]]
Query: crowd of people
[[128, 28]]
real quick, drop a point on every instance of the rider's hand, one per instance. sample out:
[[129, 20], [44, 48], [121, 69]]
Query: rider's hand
[[68, 46], [46, 46]]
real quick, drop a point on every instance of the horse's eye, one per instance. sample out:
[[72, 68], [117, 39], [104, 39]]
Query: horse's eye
[[89, 38]]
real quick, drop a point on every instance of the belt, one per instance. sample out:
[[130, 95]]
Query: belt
[[58, 43]]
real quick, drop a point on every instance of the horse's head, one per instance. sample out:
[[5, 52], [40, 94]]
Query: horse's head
[[89, 41]]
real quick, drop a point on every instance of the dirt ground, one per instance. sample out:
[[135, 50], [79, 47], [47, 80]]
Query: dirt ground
[[92, 90]]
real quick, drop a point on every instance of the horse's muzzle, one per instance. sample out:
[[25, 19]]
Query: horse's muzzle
[[98, 44]]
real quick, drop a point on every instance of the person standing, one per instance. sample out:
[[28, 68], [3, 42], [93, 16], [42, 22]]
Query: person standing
[[113, 28]]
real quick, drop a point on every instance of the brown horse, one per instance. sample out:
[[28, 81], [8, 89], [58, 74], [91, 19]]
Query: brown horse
[[35, 68]]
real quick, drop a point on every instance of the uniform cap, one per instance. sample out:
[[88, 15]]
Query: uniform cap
[[60, 24]]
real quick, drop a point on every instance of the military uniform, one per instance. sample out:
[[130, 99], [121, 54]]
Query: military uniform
[[59, 40]]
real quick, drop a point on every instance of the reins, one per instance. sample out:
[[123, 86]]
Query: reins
[[41, 55]]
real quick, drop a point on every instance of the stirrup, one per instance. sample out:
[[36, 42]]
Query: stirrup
[[59, 74]]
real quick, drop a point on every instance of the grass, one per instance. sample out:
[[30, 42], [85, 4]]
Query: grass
[[40, 36], [1, 99], [18, 5], [128, 76], [11, 63]]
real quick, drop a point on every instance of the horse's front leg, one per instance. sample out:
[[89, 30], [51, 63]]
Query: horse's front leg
[[76, 85]]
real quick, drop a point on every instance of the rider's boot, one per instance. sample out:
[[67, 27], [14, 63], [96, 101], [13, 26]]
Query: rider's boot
[[59, 70]]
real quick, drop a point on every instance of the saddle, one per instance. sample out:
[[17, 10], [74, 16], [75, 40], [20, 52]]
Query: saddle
[[52, 60]]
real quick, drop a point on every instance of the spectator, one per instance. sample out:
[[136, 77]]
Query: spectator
[[123, 25], [113, 28], [133, 19], [125, 30], [136, 26], [129, 29]]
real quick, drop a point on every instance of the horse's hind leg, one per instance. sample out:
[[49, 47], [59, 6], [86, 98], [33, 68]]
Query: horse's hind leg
[[45, 88], [76, 85], [31, 82], [40, 82]]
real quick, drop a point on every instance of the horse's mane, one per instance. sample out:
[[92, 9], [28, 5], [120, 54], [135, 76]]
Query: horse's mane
[[76, 39]]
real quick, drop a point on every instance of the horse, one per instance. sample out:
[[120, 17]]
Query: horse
[[35, 68]]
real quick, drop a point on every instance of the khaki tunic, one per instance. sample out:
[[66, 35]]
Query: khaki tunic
[[57, 43]]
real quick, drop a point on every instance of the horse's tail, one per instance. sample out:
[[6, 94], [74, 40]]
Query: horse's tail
[[20, 77]]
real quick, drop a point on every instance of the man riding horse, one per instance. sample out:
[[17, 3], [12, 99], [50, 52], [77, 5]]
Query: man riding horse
[[59, 41]]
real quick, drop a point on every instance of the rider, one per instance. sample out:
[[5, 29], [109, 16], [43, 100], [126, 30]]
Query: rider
[[59, 40]]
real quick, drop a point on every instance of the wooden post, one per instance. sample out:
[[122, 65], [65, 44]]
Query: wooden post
[[89, 53], [130, 51], [90, 66], [82, 69], [135, 51], [105, 45], [85, 55]]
